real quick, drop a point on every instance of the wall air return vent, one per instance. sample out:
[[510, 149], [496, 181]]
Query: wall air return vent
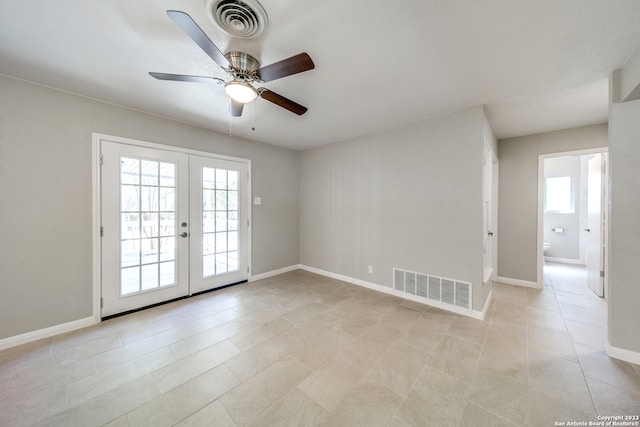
[[244, 19], [434, 290]]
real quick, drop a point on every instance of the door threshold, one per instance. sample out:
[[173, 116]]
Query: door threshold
[[135, 310]]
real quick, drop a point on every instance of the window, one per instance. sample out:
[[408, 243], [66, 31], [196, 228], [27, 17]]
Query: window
[[558, 194]]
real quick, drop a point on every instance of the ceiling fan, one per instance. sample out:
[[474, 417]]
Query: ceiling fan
[[243, 68]]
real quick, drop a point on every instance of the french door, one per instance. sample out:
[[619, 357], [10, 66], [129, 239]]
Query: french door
[[219, 222], [172, 224]]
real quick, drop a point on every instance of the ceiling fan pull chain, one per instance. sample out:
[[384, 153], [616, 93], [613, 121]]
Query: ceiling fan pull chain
[[230, 129], [253, 116]]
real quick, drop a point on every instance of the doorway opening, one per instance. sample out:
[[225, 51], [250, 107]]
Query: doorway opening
[[572, 220]]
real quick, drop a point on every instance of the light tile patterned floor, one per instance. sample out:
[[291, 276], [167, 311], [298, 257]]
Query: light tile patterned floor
[[304, 350]]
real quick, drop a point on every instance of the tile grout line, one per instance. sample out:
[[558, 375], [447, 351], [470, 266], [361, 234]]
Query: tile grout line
[[415, 380], [476, 373], [528, 364], [573, 345]]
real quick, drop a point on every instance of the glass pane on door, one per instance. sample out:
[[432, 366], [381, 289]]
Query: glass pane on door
[[148, 225], [219, 221]]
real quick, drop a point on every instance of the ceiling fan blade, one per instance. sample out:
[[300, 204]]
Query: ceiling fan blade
[[192, 29], [287, 67], [184, 78], [283, 102], [236, 108]]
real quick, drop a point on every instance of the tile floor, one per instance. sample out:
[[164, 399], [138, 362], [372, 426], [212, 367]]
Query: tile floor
[[304, 350]]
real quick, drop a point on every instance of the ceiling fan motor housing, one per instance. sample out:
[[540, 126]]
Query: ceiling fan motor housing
[[242, 61], [244, 66]]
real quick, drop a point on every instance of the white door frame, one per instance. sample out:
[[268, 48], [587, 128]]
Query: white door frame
[[96, 184], [540, 233]]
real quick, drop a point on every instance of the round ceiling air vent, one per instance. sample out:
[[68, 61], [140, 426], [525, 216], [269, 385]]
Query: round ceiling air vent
[[245, 19]]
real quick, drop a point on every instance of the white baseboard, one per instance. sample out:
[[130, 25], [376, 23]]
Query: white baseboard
[[488, 274], [274, 273], [622, 354], [487, 303], [563, 260], [46, 332], [390, 291], [517, 282]]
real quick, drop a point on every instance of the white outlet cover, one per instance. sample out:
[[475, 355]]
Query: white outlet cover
[[257, 200]]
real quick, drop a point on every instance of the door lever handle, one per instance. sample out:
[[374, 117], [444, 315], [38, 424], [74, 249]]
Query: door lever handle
[[588, 230], [184, 234], [490, 234]]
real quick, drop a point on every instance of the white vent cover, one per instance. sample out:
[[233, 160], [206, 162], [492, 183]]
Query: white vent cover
[[444, 291], [245, 19]]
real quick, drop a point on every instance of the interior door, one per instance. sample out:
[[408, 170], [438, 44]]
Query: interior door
[[489, 214], [595, 225], [145, 214], [219, 223]]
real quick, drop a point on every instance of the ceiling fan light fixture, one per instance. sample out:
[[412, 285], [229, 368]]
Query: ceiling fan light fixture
[[240, 91]]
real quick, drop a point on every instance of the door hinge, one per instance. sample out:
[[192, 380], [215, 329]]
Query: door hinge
[[101, 302], [247, 222], [101, 231], [247, 268], [101, 160], [602, 273]]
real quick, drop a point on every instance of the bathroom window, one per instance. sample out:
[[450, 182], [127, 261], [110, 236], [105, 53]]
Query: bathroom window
[[559, 195]]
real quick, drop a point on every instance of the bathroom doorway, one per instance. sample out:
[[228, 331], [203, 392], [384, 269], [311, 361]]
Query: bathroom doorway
[[572, 215]]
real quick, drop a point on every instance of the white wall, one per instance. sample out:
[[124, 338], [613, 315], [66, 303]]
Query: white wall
[[624, 230], [518, 194], [409, 197], [45, 198]]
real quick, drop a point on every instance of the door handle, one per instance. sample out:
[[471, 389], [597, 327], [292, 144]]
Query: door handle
[[588, 230], [184, 234], [490, 234]]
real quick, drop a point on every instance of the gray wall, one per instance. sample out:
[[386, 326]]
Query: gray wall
[[45, 198], [518, 194], [567, 244], [410, 197], [624, 230], [629, 84]]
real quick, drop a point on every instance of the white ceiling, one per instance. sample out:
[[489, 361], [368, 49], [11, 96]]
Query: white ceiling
[[536, 65]]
